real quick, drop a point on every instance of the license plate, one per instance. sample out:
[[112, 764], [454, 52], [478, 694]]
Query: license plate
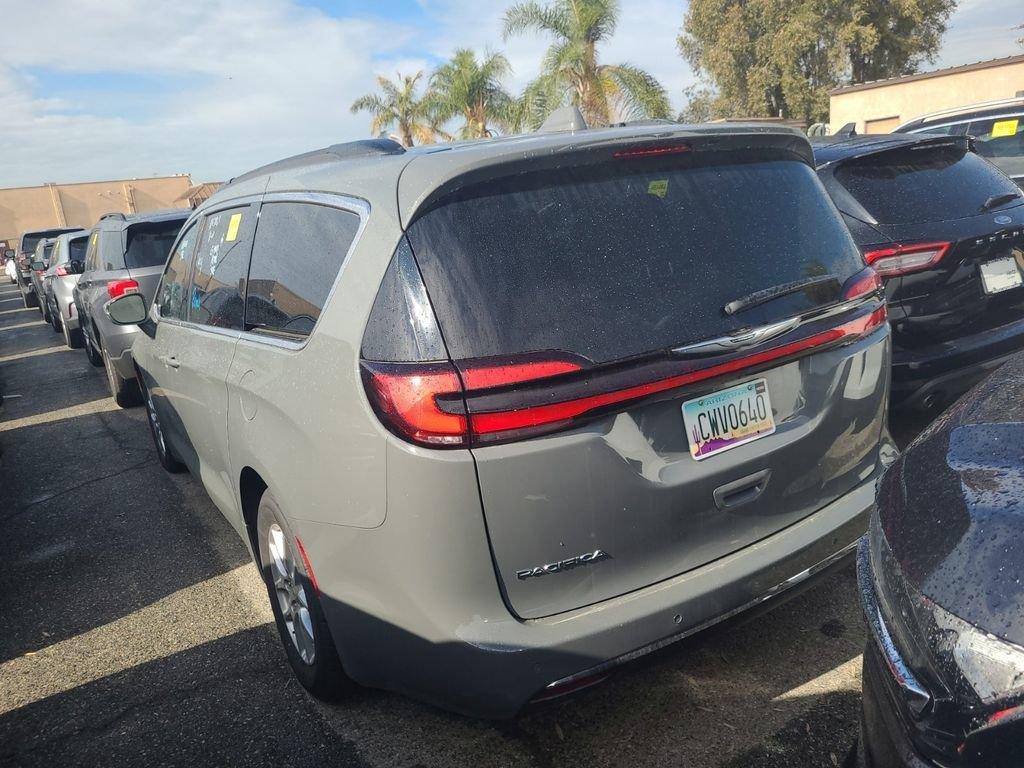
[[1000, 275], [728, 418]]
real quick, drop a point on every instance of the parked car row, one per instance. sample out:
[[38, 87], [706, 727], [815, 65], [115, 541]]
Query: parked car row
[[496, 417]]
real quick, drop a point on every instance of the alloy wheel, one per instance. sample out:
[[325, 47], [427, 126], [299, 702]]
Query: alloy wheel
[[291, 594]]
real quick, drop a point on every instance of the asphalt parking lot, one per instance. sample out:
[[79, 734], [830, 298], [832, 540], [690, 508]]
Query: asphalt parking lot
[[135, 630]]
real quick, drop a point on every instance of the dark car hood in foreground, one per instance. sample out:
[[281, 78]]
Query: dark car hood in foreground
[[954, 515]]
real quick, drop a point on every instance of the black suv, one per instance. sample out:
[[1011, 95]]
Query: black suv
[[945, 230]]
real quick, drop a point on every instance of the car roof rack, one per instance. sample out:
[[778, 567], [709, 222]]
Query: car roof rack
[[347, 151]]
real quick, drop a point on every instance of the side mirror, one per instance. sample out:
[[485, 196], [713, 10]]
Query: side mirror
[[38, 266], [129, 309], [77, 266], [8, 253]]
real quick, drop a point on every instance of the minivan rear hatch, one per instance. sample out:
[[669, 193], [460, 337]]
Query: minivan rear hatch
[[587, 304]]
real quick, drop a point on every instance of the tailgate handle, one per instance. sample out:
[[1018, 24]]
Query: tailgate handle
[[742, 491]]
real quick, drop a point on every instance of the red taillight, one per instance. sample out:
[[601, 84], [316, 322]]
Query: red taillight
[[61, 272], [427, 403], [656, 151], [405, 397], [117, 288], [904, 259], [862, 284]]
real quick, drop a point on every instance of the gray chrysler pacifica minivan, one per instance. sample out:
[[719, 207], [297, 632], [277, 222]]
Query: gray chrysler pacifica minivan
[[497, 416]]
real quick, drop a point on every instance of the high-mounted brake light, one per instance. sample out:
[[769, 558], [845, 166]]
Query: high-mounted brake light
[[117, 288], [439, 406], [905, 259], [657, 151]]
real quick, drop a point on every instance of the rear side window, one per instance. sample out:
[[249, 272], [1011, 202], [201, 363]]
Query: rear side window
[[1001, 140], [924, 183], [170, 298], [110, 251], [627, 258], [222, 260], [91, 251], [296, 256], [150, 242]]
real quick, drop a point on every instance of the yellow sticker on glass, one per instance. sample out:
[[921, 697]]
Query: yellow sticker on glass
[[233, 222], [1004, 128], [95, 236], [658, 188]]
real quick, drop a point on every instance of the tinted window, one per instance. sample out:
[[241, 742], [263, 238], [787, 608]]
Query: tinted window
[[922, 184], [170, 299], [296, 257], [627, 258], [222, 260], [77, 248], [110, 251], [150, 242], [29, 243], [1001, 141]]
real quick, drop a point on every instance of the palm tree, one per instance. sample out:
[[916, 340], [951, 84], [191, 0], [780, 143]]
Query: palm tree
[[398, 105], [571, 71], [472, 90]]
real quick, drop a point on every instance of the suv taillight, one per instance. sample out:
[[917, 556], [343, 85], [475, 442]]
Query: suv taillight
[[117, 288], [905, 259], [483, 402], [61, 272]]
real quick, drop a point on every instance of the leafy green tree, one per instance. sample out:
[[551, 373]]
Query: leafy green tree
[[471, 90], [571, 71], [781, 58], [398, 105]]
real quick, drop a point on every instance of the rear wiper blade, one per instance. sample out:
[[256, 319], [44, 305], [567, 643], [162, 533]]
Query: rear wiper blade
[[997, 200], [760, 297]]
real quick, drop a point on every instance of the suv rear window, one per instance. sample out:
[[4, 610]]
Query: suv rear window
[[626, 258], [923, 183], [150, 243]]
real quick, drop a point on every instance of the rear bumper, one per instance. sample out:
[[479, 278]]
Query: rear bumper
[[472, 656], [938, 374]]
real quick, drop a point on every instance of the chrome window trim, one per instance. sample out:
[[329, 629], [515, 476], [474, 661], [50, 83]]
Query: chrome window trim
[[347, 203]]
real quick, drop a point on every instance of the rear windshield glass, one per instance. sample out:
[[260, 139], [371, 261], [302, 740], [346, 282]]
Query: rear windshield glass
[[923, 184], [77, 248], [626, 258], [29, 243], [150, 243]]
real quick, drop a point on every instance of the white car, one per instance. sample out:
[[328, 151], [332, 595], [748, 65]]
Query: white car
[[11, 268]]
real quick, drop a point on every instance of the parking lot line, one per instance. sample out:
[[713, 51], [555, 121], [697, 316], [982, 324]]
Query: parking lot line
[[34, 353], [83, 409], [200, 614]]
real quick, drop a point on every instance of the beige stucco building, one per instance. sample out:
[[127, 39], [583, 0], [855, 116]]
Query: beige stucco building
[[882, 105], [80, 205]]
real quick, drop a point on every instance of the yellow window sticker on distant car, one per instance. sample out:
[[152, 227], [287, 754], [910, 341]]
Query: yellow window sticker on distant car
[[233, 222], [658, 188], [95, 236], [1005, 128]]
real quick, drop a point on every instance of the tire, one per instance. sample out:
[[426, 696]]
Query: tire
[[73, 339], [164, 453], [56, 321], [44, 310], [304, 631], [124, 391], [91, 352], [30, 299]]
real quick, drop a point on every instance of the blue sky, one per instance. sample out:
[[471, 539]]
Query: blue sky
[[94, 89]]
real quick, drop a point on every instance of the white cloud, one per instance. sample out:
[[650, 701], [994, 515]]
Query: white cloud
[[259, 81]]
